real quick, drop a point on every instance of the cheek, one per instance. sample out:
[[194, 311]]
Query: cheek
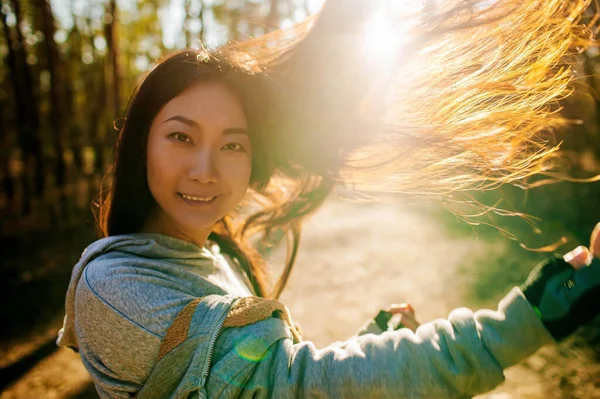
[[238, 172], [159, 171]]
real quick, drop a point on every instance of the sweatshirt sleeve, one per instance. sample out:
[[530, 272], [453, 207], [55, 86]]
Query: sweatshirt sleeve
[[454, 358]]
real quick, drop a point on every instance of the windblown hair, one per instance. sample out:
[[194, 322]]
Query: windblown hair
[[468, 100]]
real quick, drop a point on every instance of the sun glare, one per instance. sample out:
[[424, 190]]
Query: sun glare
[[381, 39], [387, 31]]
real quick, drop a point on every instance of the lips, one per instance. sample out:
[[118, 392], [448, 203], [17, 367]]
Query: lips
[[198, 198], [199, 202]]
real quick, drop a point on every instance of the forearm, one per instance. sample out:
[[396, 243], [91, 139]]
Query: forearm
[[461, 356]]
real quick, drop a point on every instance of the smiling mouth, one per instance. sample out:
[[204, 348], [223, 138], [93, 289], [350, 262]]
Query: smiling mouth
[[204, 200]]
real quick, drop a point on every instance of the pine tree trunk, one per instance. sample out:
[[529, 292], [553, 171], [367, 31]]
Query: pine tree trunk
[[186, 23], [57, 119], [273, 18], [8, 185], [25, 105], [201, 18], [113, 51]]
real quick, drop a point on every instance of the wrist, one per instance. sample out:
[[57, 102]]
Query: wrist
[[562, 297]]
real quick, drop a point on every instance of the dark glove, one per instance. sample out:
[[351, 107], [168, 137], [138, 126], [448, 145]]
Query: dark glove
[[382, 320], [563, 298], [407, 318]]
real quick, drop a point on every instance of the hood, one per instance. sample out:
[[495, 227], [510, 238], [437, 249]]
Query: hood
[[153, 246]]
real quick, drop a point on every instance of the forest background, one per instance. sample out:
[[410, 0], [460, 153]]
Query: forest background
[[68, 67]]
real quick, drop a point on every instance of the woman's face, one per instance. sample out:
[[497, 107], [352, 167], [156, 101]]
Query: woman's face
[[198, 160]]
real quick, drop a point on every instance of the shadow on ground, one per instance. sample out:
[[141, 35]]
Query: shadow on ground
[[36, 269]]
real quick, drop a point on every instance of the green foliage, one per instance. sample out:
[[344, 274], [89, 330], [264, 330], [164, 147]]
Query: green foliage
[[103, 48]]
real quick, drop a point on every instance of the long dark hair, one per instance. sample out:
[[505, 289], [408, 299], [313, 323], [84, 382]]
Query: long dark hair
[[460, 113], [126, 201]]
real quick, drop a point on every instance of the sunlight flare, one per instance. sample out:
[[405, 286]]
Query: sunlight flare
[[388, 31]]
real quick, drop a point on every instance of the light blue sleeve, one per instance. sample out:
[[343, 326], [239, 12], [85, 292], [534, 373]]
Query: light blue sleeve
[[454, 358]]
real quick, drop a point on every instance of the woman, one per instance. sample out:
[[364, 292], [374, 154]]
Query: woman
[[173, 302]]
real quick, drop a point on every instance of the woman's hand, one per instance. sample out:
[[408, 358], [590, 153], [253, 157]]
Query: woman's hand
[[407, 315], [555, 276], [565, 291], [582, 256]]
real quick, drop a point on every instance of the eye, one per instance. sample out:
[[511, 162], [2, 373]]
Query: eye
[[180, 137], [237, 147]]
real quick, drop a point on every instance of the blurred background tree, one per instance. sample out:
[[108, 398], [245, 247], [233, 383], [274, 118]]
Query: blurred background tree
[[68, 67]]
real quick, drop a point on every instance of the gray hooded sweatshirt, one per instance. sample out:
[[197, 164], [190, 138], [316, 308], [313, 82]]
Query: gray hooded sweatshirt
[[125, 292]]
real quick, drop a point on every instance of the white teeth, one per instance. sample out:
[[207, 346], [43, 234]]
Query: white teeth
[[189, 197]]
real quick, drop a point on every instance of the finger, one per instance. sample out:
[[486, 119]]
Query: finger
[[403, 308], [409, 322], [595, 241], [579, 257]]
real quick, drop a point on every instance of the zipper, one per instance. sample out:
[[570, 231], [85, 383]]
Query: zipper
[[213, 340]]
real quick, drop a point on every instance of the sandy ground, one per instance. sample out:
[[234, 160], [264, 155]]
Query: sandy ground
[[358, 259], [354, 259]]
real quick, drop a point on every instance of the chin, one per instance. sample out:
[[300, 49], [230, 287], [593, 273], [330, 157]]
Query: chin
[[200, 222], [193, 224]]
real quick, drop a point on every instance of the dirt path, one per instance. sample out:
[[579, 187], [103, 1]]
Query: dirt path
[[354, 259]]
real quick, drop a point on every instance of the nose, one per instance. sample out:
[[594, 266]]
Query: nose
[[202, 168]]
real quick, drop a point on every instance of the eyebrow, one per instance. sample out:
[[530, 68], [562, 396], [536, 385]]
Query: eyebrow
[[194, 124]]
